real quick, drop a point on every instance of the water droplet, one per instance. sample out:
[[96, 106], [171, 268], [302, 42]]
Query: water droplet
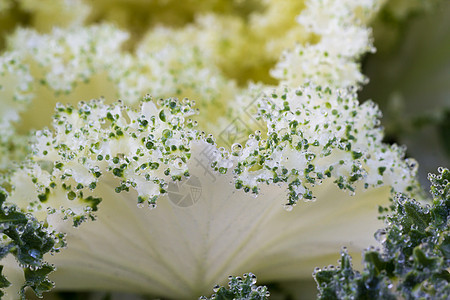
[[407, 240], [412, 164], [178, 162], [33, 268], [34, 253], [216, 288], [380, 235], [236, 148]]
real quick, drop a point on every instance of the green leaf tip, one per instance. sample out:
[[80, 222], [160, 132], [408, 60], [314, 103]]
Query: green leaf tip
[[28, 240], [37, 280], [240, 288]]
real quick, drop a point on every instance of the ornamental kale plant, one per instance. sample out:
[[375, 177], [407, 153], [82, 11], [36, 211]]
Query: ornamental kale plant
[[159, 147]]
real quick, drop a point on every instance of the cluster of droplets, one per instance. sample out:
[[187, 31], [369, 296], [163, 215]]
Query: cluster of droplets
[[316, 134], [342, 282], [240, 288], [440, 183], [97, 144], [323, 275]]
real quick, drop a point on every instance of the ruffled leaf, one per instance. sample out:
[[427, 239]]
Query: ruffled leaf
[[414, 260]]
